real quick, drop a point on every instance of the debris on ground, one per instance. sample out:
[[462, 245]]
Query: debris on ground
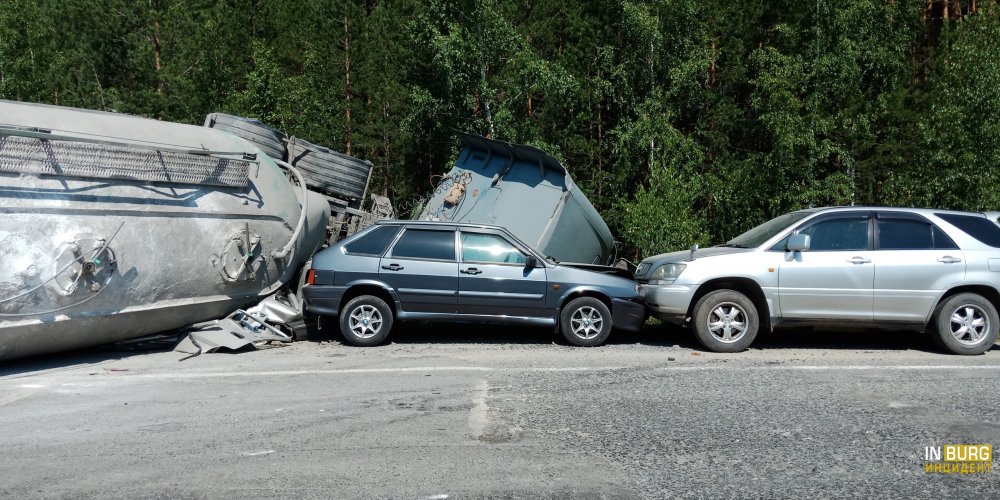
[[239, 330]]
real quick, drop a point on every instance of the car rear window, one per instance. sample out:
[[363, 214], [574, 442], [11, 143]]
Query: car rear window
[[980, 228], [373, 243], [425, 244], [905, 234]]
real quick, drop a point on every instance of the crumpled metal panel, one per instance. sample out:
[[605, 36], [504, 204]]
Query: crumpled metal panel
[[234, 332], [25, 155]]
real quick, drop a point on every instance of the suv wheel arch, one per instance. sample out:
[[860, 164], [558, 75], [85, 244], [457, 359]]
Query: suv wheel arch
[[747, 287]]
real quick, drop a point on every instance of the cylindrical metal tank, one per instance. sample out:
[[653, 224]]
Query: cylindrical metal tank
[[114, 226]]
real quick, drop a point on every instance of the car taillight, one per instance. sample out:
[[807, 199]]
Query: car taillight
[[311, 277]]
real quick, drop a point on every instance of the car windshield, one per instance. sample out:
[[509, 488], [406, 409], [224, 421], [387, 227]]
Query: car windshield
[[758, 235]]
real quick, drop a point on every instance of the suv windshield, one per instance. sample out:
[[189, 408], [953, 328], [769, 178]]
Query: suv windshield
[[758, 235]]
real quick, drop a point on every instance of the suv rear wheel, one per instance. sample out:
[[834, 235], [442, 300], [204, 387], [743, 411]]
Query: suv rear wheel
[[365, 321], [725, 321], [966, 323], [585, 322]]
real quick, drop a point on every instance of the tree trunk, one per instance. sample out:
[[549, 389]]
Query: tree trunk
[[386, 178], [156, 56], [347, 87], [711, 67]]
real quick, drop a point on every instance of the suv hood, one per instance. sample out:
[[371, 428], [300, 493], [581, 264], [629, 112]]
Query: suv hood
[[650, 263]]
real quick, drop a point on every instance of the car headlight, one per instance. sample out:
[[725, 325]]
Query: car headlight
[[666, 274]]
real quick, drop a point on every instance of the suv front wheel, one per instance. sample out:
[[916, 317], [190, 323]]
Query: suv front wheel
[[725, 321]]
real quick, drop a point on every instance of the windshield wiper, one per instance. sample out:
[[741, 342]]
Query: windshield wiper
[[732, 245]]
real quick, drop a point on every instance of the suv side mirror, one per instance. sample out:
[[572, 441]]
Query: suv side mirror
[[797, 242], [531, 262]]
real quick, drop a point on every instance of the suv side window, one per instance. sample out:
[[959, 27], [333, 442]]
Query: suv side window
[[980, 228], [373, 243], [840, 234], [490, 248], [425, 244], [906, 234]]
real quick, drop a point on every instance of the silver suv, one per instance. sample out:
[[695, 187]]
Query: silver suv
[[929, 270]]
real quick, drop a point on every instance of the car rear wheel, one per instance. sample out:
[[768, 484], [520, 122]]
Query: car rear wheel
[[966, 323], [725, 321], [366, 321], [585, 322]]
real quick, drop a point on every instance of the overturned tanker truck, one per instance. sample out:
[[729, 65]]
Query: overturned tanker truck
[[116, 226], [529, 192]]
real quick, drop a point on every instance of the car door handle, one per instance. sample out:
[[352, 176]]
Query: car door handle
[[858, 260], [471, 270], [948, 259], [393, 267]]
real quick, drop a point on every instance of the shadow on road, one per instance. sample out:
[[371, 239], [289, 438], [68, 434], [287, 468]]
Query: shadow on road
[[61, 361], [657, 335], [456, 334], [98, 355]]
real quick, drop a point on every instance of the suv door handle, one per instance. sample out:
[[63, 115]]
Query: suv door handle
[[858, 260], [948, 259], [471, 270], [393, 267]]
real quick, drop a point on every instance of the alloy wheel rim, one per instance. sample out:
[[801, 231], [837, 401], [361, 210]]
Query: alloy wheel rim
[[365, 321], [969, 324], [586, 322], [727, 322]]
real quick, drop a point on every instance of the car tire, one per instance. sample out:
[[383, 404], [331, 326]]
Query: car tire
[[965, 323], [725, 321], [359, 332], [585, 322]]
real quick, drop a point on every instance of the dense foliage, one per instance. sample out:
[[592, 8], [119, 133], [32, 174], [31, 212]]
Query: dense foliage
[[684, 120]]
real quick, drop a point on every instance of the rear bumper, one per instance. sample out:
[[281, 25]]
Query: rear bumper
[[323, 299], [628, 315]]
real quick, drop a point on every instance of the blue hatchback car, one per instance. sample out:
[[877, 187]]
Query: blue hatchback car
[[444, 271]]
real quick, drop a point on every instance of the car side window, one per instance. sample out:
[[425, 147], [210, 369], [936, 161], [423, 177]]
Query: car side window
[[841, 234], [490, 248], [425, 244], [905, 234], [373, 243]]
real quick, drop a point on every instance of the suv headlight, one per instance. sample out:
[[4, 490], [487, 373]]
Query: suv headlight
[[666, 274]]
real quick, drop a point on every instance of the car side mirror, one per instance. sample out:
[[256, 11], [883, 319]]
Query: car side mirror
[[797, 243], [531, 262]]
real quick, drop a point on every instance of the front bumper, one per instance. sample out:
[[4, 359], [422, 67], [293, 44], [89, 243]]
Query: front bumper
[[323, 299], [669, 303], [627, 315]]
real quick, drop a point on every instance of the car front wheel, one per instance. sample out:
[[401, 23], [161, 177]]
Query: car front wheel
[[725, 321], [966, 323], [585, 322], [365, 321]]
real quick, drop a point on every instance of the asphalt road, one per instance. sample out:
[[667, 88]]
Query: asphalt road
[[472, 412]]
